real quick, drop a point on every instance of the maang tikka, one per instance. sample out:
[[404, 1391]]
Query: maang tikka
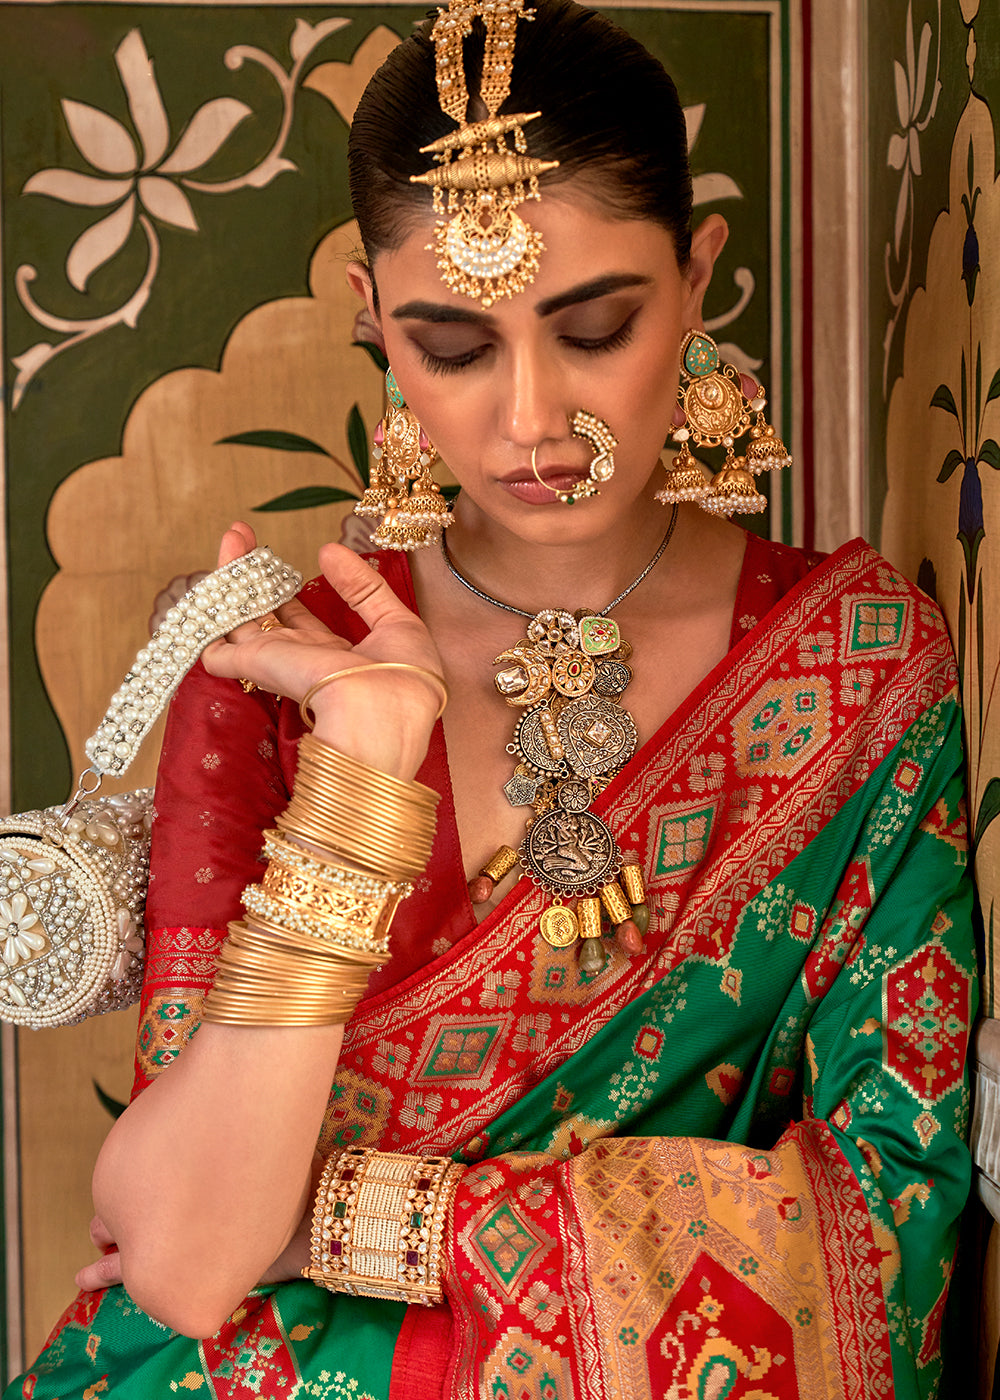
[[720, 405], [485, 250], [401, 489]]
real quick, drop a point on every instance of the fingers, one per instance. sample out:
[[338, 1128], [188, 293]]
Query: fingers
[[361, 588], [238, 540], [105, 1272]]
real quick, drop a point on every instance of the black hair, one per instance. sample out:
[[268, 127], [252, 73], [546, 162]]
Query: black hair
[[609, 114]]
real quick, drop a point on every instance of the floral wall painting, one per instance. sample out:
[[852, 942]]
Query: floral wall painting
[[942, 509], [177, 353]]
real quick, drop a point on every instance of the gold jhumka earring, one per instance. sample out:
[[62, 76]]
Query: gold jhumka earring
[[401, 489], [485, 250], [720, 405]]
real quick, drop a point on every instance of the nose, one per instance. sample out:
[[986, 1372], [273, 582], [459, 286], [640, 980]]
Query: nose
[[533, 407]]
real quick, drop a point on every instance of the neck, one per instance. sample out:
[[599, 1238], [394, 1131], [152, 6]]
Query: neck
[[568, 572]]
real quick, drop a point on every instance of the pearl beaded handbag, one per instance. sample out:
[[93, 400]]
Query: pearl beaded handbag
[[73, 878]]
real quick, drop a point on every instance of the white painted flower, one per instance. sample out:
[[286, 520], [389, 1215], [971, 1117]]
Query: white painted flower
[[904, 146], [132, 174], [17, 928]]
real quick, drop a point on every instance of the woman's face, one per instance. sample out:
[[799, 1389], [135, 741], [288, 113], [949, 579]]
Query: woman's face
[[598, 329]]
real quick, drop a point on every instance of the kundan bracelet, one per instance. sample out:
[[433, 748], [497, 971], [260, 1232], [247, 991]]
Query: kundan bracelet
[[378, 1224]]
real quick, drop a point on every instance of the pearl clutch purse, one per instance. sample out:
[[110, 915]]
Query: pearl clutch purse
[[73, 878]]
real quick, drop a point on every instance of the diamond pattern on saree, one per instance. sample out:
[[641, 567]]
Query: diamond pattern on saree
[[927, 1010], [784, 725], [876, 626], [505, 1245], [522, 1368], [459, 1048], [682, 837], [357, 1113]]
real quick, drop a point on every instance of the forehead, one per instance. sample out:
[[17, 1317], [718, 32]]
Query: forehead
[[583, 243]]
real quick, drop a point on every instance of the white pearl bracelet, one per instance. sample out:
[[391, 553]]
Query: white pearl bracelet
[[239, 592]]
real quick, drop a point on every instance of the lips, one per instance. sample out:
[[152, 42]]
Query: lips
[[532, 491]]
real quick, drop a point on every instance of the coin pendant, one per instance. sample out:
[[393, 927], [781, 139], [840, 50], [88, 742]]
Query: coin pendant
[[612, 678], [559, 926], [573, 795], [570, 853]]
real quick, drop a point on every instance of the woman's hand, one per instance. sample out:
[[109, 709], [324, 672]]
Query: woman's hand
[[106, 1271], [382, 719]]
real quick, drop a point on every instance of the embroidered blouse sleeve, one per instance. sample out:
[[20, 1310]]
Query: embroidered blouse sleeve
[[220, 783]]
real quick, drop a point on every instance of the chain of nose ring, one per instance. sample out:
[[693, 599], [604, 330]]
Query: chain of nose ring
[[596, 432]]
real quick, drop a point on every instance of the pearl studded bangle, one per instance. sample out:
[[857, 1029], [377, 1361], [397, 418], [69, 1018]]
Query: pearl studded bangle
[[379, 1222], [249, 587]]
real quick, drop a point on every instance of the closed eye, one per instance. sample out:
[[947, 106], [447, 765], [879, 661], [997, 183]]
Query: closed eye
[[602, 344], [448, 364]]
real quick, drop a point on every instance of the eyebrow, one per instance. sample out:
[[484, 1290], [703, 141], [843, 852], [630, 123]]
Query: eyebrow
[[441, 313]]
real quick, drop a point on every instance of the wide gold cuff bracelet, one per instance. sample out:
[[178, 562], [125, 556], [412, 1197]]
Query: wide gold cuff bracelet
[[378, 1224]]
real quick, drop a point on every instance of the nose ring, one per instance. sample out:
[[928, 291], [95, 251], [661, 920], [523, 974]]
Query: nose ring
[[596, 432]]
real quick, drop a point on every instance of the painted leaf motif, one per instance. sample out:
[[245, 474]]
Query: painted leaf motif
[[376, 354], [714, 186], [901, 206], [922, 60], [693, 118], [357, 441], [307, 498], [944, 398], [167, 202], [994, 390], [915, 151], [144, 100], [101, 140], [989, 808], [206, 132], [990, 454], [74, 188], [902, 93], [99, 244], [951, 462], [275, 438], [268, 169], [897, 151], [306, 37]]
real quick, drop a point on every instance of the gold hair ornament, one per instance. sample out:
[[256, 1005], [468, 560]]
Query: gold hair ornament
[[485, 250], [720, 406]]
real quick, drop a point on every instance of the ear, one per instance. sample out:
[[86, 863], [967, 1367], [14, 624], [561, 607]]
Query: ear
[[707, 242], [359, 279]]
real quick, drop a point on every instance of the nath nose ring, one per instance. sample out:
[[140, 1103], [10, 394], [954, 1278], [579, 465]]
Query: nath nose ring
[[596, 432]]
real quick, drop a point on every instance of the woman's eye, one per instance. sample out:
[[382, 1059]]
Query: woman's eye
[[596, 344], [439, 363]]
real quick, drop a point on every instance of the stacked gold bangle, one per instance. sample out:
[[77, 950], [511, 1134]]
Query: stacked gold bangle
[[340, 861], [355, 812], [378, 1224]]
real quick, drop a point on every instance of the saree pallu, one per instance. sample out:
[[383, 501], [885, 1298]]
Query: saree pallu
[[731, 1167]]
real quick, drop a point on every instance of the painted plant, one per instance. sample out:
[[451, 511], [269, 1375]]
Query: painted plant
[[973, 453]]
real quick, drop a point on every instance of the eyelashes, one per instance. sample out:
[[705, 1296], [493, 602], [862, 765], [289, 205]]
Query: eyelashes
[[622, 336], [452, 364], [438, 364]]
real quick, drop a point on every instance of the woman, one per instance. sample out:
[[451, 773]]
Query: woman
[[725, 1157]]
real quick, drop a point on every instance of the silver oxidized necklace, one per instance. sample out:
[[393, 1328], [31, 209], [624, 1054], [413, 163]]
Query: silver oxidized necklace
[[573, 735]]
